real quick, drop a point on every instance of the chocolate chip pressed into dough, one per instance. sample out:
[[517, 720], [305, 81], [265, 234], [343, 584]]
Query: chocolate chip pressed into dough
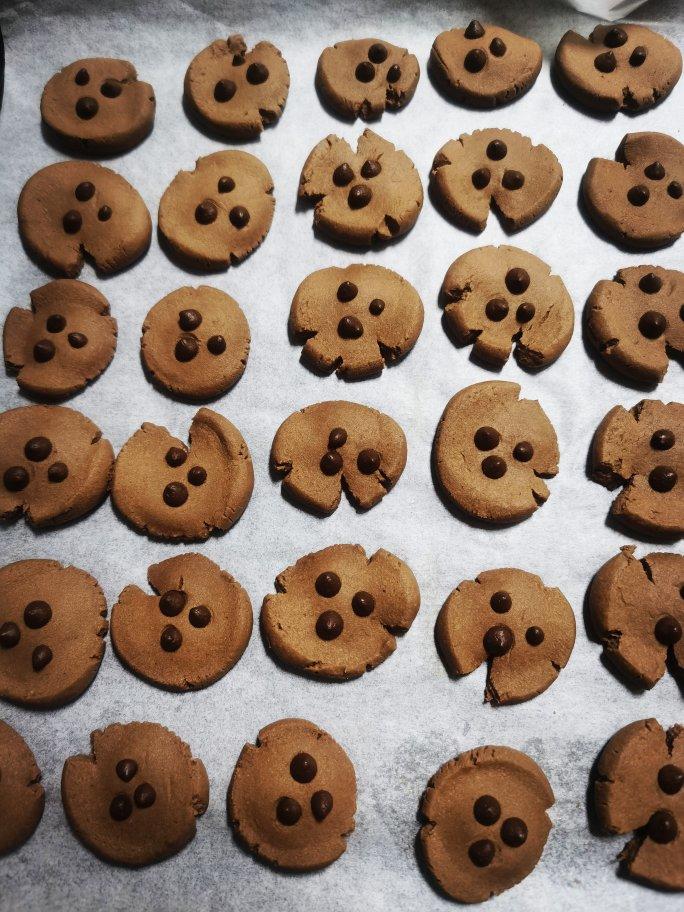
[[22, 797]]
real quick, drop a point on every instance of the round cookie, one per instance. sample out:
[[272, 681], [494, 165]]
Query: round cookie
[[195, 342], [484, 822], [484, 65], [170, 491], [98, 105], [188, 635], [636, 321], [496, 296], [74, 209], [362, 197], [509, 618], [637, 200], [237, 92], [134, 799], [219, 213], [642, 450], [619, 67], [336, 613], [355, 320], [52, 630], [22, 797], [636, 608], [638, 786], [492, 452], [364, 76], [55, 464], [292, 796], [326, 446], [65, 341]]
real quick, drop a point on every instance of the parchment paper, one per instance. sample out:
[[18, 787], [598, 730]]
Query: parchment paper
[[400, 722]]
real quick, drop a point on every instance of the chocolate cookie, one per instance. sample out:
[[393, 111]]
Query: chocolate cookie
[[492, 452], [636, 320], [362, 77], [485, 822], [638, 786], [134, 799], [52, 632], [642, 451], [362, 197], [54, 463], [235, 91], [497, 168], [509, 618], [326, 446], [170, 491], [485, 65], [22, 797], [619, 67], [355, 320], [66, 340], [292, 796], [336, 613], [188, 635], [74, 209], [195, 342], [496, 296], [636, 200], [98, 105]]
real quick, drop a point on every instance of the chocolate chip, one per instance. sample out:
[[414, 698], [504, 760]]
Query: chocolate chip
[[144, 796], [638, 195], [652, 324], [170, 639], [481, 178], [121, 808], [525, 312], [638, 55], [239, 216], [111, 88], [37, 614], [498, 640], [670, 778], [662, 439], [328, 584], [15, 478], [517, 280], [368, 461], [199, 616], [501, 602], [534, 636], [57, 472], [84, 191], [486, 438], [394, 73], [190, 319], [668, 630], [9, 635], [662, 479], [329, 625], [37, 449], [496, 309], [523, 451], [331, 463], [650, 283], [257, 73], [496, 150], [497, 47], [482, 852], [172, 602], [224, 90], [343, 175], [655, 171], [350, 328], [186, 349], [226, 185], [514, 832], [365, 71], [82, 77], [363, 603], [494, 467], [288, 811], [486, 810], [126, 770], [474, 30], [104, 213], [662, 827], [206, 212], [337, 438], [43, 351], [55, 323], [216, 345], [475, 60], [606, 62], [197, 476], [41, 657], [347, 291], [359, 196], [377, 53], [674, 188], [321, 804], [72, 221], [175, 494], [175, 457], [77, 340], [513, 180], [615, 37], [87, 107], [303, 767], [370, 168]]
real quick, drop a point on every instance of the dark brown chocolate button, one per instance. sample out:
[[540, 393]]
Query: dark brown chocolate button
[[525, 312], [37, 449], [650, 283], [486, 438], [172, 602], [497, 47], [126, 769], [494, 467], [481, 178], [514, 832], [638, 195], [496, 309], [482, 852], [321, 804], [475, 60], [534, 636], [72, 221], [394, 73], [170, 639], [144, 796], [104, 213], [175, 457], [496, 150], [197, 476], [359, 196], [37, 614], [43, 351], [654, 171], [329, 625], [77, 340], [189, 320], [331, 463], [368, 461], [216, 345], [347, 291], [662, 827], [41, 657], [328, 584], [288, 811], [376, 307], [15, 478], [84, 191], [363, 603], [55, 323], [121, 808], [498, 640], [474, 30], [517, 280], [606, 62], [57, 472], [206, 212], [638, 55], [303, 767], [82, 77], [377, 53], [224, 90], [486, 810], [674, 188], [239, 216], [365, 71], [523, 451], [652, 324], [9, 635], [662, 479], [350, 328], [615, 37], [370, 168], [226, 185], [175, 494], [111, 88], [87, 107], [199, 616], [257, 73], [337, 438], [501, 602], [186, 349], [670, 778], [513, 180], [668, 630], [662, 439], [343, 175]]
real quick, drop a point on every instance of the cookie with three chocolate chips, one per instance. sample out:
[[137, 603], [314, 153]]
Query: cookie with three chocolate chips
[[22, 797]]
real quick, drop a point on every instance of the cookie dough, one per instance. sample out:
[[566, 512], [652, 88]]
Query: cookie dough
[[636, 200], [362, 197], [22, 797], [170, 491], [292, 796], [237, 92], [195, 342], [492, 452], [494, 297], [74, 209], [188, 635], [98, 105], [63, 342], [55, 465], [355, 320], [497, 168], [642, 451], [638, 787], [484, 822], [134, 799], [326, 446]]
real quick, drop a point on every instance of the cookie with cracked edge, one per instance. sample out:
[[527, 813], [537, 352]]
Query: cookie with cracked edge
[[292, 796], [22, 797], [329, 446], [638, 787]]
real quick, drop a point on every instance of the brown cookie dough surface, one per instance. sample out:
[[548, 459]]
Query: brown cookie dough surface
[[195, 342], [292, 796], [485, 822], [497, 168], [188, 635], [642, 450], [134, 799], [52, 630], [171, 491], [22, 797], [74, 209], [235, 91], [55, 465], [362, 197], [355, 320], [492, 452], [326, 446], [638, 787], [497, 297], [98, 105]]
